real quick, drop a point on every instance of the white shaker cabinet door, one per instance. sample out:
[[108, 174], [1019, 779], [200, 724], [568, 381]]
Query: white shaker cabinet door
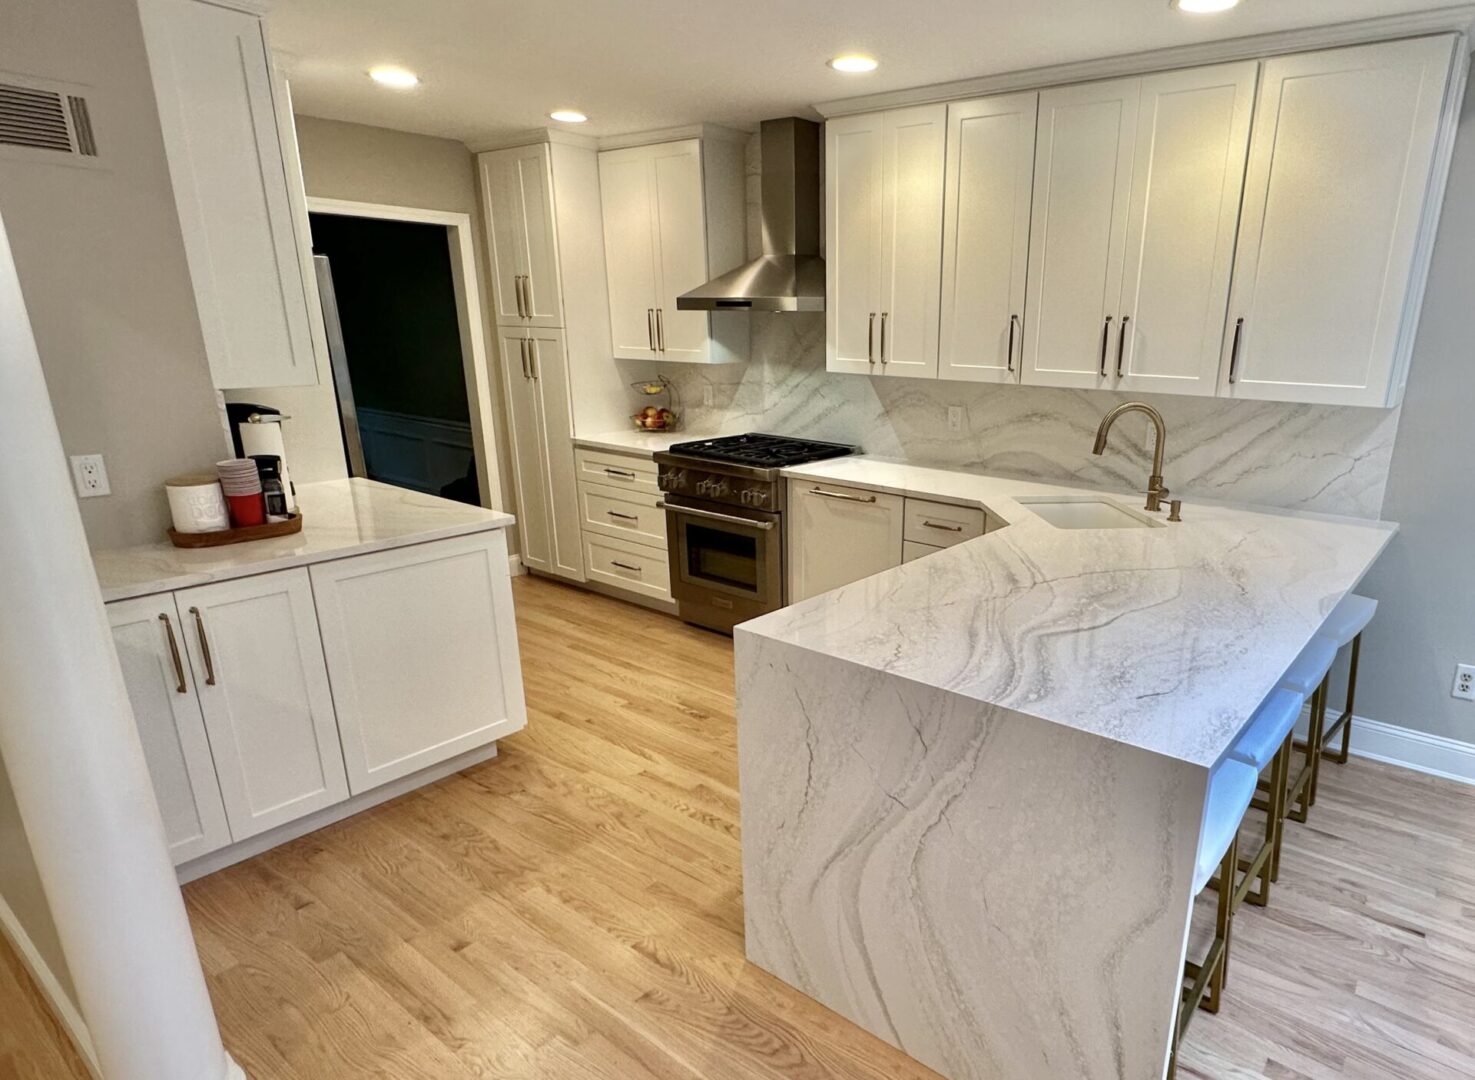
[[839, 534], [1337, 222], [914, 160], [1083, 178], [1193, 132], [853, 228], [518, 193], [627, 190], [525, 436], [161, 689], [410, 692], [553, 405], [213, 81], [985, 246], [257, 655], [681, 228]]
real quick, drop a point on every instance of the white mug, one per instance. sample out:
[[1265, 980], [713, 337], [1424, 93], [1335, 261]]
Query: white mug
[[197, 504]]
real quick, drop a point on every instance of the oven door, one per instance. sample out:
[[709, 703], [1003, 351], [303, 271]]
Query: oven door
[[726, 562]]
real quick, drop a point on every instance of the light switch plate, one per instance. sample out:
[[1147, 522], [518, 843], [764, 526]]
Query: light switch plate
[[90, 476]]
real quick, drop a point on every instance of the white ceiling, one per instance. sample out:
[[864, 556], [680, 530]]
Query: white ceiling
[[492, 67]]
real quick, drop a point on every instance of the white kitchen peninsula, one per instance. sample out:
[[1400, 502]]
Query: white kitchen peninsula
[[283, 684], [972, 785]]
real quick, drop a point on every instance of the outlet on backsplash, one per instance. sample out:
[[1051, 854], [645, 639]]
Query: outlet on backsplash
[[955, 418]]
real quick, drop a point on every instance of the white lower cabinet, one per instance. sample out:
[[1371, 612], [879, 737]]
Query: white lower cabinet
[[422, 652], [911, 551], [839, 534], [635, 568], [258, 661], [624, 526], [161, 688]]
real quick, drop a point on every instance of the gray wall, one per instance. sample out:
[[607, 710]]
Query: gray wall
[[1425, 582]]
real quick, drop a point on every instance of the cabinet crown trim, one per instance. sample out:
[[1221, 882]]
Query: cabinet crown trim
[[1458, 20], [536, 136]]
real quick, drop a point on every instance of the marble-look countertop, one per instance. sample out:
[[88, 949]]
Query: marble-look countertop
[[339, 518], [1166, 638], [630, 441]]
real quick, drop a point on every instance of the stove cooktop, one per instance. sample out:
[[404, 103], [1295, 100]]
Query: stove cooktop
[[761, 451]]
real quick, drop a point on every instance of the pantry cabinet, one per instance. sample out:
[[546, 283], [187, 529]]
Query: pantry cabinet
[[673, 220], [883, 207], [1341, 198], [237, 186], [517, 189]]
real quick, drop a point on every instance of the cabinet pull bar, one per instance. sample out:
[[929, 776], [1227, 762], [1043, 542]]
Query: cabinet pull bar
[[944, 528], [660, 330], [712, 515], [625, 566], [1121, 345], [204, 646], [1239, 325], [1013, 322], [522, 307], [650, 327], [624, 474], [871, 339], [182, 688], [1105, 337], [533, 356], [622, 517], [841, 495], [522, 344], [884, 360], [527, 293]]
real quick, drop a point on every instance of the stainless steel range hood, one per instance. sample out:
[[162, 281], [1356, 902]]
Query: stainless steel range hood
[[790, 276]]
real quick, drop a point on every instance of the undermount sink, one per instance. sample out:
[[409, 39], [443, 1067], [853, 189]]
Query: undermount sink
[[1086, 512]]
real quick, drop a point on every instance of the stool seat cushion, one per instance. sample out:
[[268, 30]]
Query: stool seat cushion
[[1349, 618], [1307, 670], [1268, 728], [1231, 790]]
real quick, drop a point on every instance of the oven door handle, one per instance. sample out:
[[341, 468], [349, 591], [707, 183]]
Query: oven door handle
[[732, 519]]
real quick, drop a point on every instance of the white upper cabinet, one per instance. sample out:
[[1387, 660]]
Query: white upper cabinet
[[884, 196], [1341, 197], [212, 77], [1193, 131], [517, 188], [1078, 231], [985, 236], [672, 221]]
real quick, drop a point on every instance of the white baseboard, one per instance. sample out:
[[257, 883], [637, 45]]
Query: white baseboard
[[515, 567], [1416, 750], [46, 981]]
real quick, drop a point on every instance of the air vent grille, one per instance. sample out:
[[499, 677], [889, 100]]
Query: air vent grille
[[33, 118]]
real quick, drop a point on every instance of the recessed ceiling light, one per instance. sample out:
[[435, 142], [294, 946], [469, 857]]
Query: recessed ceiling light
[[567, 116], [1202, 7], [397, 77], [854, 64]]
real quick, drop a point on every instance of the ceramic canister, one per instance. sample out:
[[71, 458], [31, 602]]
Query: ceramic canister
[[197, 503]]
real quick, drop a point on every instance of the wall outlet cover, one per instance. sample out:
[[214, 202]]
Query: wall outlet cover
[[90, 476], [955, 418], [1464, 686]]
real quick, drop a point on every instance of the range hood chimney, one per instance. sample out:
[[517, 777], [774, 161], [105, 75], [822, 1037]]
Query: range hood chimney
[[790, 275]]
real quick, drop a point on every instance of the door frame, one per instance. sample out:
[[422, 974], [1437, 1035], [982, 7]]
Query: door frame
[[467, 284]]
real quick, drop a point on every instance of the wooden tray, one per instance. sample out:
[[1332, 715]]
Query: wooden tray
[[237, 536]]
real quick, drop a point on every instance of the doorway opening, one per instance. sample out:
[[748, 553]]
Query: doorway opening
[[402, 315]]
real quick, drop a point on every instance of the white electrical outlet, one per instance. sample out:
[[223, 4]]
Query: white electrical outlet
[[1464, 686], [707, 397], [955, 418], [90, 475]]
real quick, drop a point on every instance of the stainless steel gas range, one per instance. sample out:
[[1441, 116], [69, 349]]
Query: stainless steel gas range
[[724, 503]]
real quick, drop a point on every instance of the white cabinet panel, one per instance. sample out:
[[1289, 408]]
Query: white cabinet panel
[[421, 648], [637, 568], [630, 515], [911, 250], [911, 551], [161, 689], [942, 524], [1335, 231], [518, 193], [529, 463], [1083, 177], [627, 191], [682, 243], [213, 81], [985, 249], [853, 228], [1193, 132], [617, 470], [839, 534], [255, 648]]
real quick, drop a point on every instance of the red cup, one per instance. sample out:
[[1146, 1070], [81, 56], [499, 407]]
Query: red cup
[[246, 510]]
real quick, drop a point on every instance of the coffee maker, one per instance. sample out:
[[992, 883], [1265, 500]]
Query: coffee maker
[[257, 430]]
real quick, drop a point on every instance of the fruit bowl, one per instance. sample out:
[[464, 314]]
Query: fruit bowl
[[655, 419]]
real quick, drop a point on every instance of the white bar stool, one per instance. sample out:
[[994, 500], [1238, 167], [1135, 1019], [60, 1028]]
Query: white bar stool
[[1344, 626], [1268, 742]]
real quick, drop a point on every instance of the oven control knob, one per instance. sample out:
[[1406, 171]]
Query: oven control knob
[[755, 496], [713, 489], [672, 479]]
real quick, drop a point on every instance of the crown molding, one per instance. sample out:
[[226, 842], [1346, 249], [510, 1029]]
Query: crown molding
[[534, 137], [674, 134], [1459, 20], [260, 8]]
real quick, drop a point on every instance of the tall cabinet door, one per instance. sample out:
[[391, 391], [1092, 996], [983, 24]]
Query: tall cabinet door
[[985, 236], [161, 689], [1193, 132], [681, 229], [1335, 193], [913, 142], [628, 199], [553, 401], [257, 654], [1082, 183], [853, 228], [518, 194], [529, 463]]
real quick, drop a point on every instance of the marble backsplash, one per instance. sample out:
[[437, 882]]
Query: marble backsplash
[[1308, 457]]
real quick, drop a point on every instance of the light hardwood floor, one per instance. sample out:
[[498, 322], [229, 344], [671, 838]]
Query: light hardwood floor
[[573, 909]]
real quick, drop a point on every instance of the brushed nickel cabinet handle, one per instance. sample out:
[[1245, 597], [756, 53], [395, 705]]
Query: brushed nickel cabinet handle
[[182, 687], [650, 327], [884, 360], [522, 304], [660, 329], [842, 495], [522, 345], [623, 474], [527, 294], [533, 357], [620, 516], [871, 340], [1105, 337], [1239, 325], [204, 646], [1013, 322], [1121, 345], [626, 566], [944, 528]]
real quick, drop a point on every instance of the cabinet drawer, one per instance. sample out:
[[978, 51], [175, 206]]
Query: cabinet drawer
[[912, 551], [637, 473], [940, 524], [637, 568], [632, 515]]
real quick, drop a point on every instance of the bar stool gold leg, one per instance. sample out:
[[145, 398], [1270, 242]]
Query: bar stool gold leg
[[1264, 866], [1207, 991], [1301, 786], [1283, 786], [1318, 722], [1343, 722]]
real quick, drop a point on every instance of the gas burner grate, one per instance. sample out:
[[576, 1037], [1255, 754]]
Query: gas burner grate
[[762, 451]]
